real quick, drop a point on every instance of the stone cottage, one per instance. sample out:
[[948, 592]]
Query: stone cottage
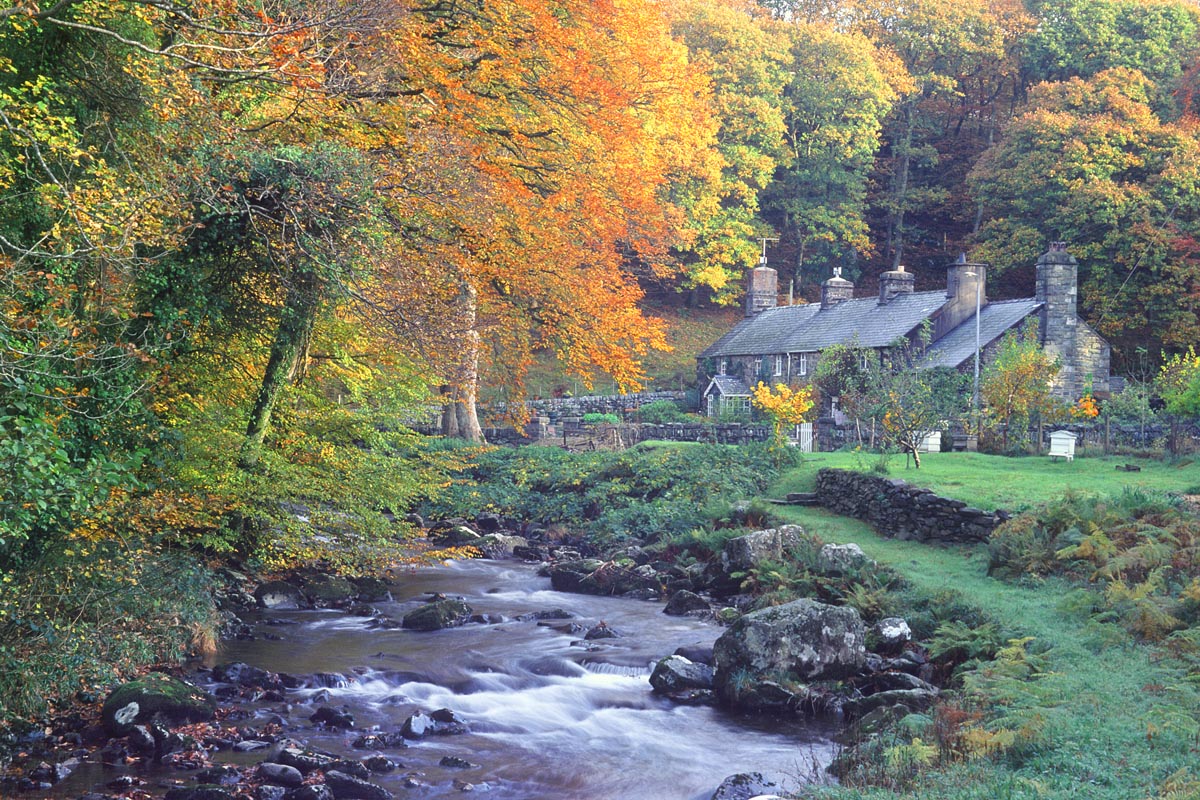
[[783, 343]]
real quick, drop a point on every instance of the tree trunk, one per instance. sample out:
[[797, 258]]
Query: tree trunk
[[895, 235], [460, 417], [288, 349]]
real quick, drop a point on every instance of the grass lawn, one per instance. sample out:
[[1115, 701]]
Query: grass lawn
[[1118, 720], [1014, 484]]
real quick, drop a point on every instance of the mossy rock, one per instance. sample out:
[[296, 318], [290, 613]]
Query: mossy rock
[[155, 694], [327, 591], [437, 615]]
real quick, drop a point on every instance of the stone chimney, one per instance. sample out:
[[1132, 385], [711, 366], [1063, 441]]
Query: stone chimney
[[835, 290], [1057, 290], [895, 282], [762, 289], [962, 279]]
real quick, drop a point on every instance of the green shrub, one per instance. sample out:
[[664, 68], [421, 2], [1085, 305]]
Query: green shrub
[[661, 412], [597, 418]]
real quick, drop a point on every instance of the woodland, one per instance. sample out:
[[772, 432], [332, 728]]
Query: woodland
[[244, 245]]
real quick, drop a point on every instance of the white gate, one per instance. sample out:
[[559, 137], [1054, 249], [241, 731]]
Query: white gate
[[804, 437]]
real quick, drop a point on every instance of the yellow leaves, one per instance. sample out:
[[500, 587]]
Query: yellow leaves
[[782, 402]]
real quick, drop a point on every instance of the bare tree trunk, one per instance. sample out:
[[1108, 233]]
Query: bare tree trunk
[[288, 351], [895, 237], [460, 417]]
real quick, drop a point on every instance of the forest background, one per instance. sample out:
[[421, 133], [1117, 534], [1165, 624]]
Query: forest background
[[240, 242]]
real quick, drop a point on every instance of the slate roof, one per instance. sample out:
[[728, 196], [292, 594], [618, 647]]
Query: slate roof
[[730, 386], [958, 346], [806, 328]]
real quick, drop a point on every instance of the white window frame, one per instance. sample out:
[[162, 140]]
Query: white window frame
[[757, 367], [778, 365], [801, 363], [722, 366]]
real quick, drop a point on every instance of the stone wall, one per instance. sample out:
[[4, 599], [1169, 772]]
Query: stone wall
[[899, 510], [555, 407], [733, 433]]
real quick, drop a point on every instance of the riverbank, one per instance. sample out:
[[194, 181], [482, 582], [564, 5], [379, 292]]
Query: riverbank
[[1102, 711]]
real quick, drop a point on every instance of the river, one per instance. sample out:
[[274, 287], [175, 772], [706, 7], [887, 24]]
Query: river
[[550, 715]]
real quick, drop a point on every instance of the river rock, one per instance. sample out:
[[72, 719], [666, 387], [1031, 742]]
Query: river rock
[[568, 576], [601, 631], [329, 591], [743, 786], [371, 590], [684, 602], [306, 761], [841, 559], [380, 741], [332, 718], [280, 774], [380, 764], [269, 791], [800, 641], [453, 533], [677, 674], [890, 635], [498, 545], [455, 762], [488, 522], [199, 793], [223, 775], [417, 725], [280, 595], [348, 787], [313, 791], [155, 694], [913, 700], [242, 674], [439, 614]]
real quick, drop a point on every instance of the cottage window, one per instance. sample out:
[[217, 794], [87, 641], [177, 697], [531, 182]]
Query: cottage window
[[722, 366], [801, 363], [778, 365], [864, 359], [757, 367]]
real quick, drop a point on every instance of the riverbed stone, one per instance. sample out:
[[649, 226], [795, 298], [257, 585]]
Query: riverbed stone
[[333, 717], [912, 700], [329, 591], [453, 533], [677, 674], [155, 694], [417, 725], [744, 786], [306, 761], [601, 631], [439, 614], [280, 596], [242, 674], [201, 792], [348, 787], [499, 545], [684, 602], [454, 762], [280, 774], [313, 791], [371, 589], [794, 643]]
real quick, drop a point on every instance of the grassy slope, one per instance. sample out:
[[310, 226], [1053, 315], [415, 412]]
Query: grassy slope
[[1101, 694]]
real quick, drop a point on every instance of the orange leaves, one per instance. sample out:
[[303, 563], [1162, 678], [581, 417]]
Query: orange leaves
[[783, 404]]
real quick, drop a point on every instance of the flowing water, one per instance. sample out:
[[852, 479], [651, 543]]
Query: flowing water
[[550, 715]]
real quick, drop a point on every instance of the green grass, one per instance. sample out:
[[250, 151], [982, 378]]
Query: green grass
[[1014, 484], [1119, 719]]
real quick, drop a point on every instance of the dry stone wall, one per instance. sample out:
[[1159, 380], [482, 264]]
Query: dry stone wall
[[902, 511]]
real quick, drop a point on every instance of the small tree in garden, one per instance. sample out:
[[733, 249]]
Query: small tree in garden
[[1178, 384], [916, 403], [784, 405], [1016, 386]]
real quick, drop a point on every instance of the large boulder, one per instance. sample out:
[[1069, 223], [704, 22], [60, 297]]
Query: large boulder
[[590, 576], [685, 602], [439, 614], [155, 694], [796, 643]]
